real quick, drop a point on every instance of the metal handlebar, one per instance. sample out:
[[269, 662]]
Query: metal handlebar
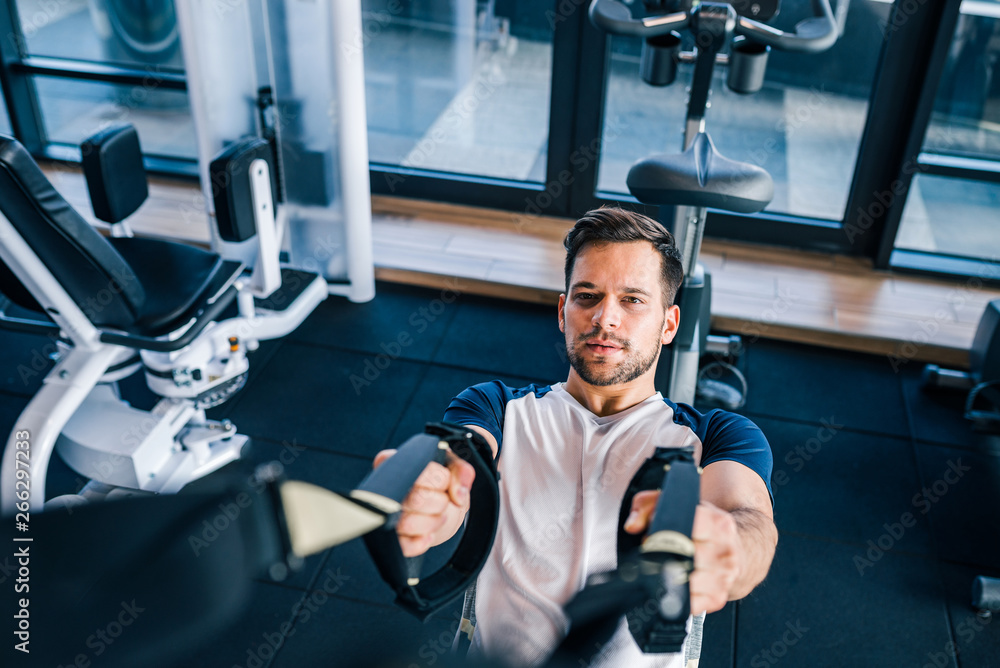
[[811, 35], [614, 17]]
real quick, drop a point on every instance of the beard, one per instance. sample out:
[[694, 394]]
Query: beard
[[636, 362]]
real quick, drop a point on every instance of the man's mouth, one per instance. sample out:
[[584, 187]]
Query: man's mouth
[[602, 346]]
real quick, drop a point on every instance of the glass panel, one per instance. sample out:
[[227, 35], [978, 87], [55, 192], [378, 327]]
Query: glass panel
[[4, 119], [459, 86], [131, 33], [74, 110], [951, 216], [966, 117], [804, 126]]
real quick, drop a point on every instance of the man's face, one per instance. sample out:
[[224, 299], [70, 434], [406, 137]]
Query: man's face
[[614, 316]]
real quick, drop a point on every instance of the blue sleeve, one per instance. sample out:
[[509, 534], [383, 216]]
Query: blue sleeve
[[481, 405], [734, 437]]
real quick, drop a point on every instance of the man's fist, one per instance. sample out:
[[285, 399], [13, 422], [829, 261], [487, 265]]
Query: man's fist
[[435, 506], [718, 550]]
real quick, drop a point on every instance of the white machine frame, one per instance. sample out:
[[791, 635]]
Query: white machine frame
[[77, 410], [215, 42]]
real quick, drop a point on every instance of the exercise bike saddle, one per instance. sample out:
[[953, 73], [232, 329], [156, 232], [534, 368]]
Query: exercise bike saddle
[[701, 177]]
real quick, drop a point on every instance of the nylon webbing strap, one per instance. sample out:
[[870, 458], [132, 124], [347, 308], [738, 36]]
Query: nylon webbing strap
[[422, 596], [664, 559], [650, 586]]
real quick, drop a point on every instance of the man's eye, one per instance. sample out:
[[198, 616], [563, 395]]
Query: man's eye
[[584, 295], [633, 300]]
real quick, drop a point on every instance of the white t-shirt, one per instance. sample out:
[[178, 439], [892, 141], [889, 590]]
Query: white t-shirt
[[563, 474]]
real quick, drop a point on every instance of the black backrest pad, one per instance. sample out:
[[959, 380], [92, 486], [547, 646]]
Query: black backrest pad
[[230, 176], [89, 269], [116, 177]]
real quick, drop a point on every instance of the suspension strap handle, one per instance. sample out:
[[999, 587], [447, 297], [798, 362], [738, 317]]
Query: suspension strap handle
[[419, 595]]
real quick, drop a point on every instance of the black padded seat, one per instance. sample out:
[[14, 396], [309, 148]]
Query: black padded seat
[[701, 176], [80, 259], [144, 287], [177, 279]]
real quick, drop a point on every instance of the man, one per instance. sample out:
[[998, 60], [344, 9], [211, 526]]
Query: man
[[566, 454]]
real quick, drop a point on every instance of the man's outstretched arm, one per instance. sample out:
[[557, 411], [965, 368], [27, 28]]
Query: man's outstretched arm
[[734, 534]]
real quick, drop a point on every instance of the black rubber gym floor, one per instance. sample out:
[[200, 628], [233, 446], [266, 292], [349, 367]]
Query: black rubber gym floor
[[886, 504]]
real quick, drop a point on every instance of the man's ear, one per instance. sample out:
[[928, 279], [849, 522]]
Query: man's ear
[[562, 318], [671, 321]]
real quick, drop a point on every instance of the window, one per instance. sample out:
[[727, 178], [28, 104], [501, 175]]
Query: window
[[512, 104], [120, 32], [953, 205], [4, 119], [76, 41], [951, 216], [804, 126], [459, 87], [74, 110]]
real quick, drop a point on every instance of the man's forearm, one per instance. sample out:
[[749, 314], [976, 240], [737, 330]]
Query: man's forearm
[[758, 537]]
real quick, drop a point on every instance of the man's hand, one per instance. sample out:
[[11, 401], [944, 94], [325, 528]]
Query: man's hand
[[718, 550], [435, 506]]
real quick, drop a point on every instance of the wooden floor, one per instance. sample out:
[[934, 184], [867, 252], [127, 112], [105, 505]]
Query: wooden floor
[[758, 291]]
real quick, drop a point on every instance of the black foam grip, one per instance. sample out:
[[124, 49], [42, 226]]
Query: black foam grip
[[679, 497], [451, 580], [396, 476], [676, 505]]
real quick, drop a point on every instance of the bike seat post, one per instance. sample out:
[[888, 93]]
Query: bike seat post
[[712, 25]]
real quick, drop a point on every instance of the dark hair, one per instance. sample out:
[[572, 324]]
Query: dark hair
[[614, 225]]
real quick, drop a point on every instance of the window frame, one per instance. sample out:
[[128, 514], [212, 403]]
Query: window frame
[[899, 110]]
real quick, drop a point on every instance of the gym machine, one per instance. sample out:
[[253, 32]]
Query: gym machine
[[685, 185]]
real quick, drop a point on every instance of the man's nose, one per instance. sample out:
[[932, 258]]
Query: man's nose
[[607, 315]]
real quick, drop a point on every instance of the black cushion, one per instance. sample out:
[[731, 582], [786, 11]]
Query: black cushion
[[147, 287], [229, 173], [177, 279], [89, 269], [116, 177], [701, 176]]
